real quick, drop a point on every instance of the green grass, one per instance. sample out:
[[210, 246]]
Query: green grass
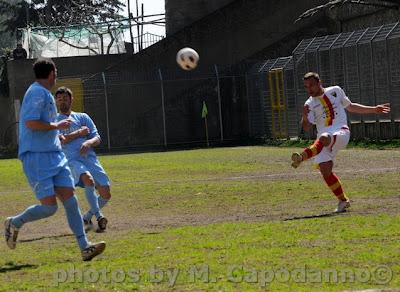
[[239, 216], [363, 144]]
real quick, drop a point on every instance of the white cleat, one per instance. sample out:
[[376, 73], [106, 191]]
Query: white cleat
[[296, 159], [10, 233], [342, 206], [93, 250]]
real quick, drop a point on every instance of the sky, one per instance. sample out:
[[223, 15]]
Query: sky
[[150, 7]]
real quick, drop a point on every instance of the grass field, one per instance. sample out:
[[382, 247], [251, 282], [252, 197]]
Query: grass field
[[227, 219]]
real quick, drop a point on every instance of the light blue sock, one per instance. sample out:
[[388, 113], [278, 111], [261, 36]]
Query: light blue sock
[[91, 197], [75, 221], [102, 202], [33, 213]]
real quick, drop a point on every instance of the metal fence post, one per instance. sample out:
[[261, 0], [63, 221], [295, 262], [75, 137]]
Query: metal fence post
[[219, 103], [246, 77], [359, 80], [106, 104], [371, 46], [388, 79], [163, 106]]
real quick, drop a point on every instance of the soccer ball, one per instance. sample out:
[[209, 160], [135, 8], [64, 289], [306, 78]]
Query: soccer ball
[[187, 59]]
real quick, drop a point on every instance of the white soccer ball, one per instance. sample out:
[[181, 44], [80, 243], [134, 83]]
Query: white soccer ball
[[187, 59]]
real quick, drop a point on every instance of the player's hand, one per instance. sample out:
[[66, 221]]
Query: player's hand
[[63, 124], [84, 131], [383, 108], [62, 139], [306, 110], [84, 148]]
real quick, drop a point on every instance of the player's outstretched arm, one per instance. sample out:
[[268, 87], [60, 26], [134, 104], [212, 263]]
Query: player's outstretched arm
[[364, 109], [38, 125]]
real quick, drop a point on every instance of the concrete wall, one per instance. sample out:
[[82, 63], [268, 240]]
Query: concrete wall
[[355, 17], [20, 76], [20, 73], [7, 125], [241, 30], [181, 13]]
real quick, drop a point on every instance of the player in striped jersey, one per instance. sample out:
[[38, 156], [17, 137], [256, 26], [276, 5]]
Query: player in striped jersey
[[326, 108]]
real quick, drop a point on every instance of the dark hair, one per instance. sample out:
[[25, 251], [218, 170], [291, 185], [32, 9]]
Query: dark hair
[[312, 75], [43, 67], [62, 90]]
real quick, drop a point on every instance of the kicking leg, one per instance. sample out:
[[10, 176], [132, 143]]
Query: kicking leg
[[311, 151]]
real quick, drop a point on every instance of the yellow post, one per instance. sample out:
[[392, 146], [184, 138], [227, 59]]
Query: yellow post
[[75, 84]]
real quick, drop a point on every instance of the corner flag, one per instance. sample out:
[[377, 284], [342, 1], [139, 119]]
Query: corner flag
[[204, 111]]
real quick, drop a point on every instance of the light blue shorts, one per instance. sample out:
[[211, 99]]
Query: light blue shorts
[[88, 164], [45, 171]]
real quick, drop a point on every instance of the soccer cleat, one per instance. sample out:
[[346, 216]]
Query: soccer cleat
[[10, 233], [93, 250], [342, 206], [102, 224], [88, 225], [296, 159]]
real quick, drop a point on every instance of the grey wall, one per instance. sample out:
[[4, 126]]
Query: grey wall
[[181, 13], [7, 126], [238, 31], [20, 73]]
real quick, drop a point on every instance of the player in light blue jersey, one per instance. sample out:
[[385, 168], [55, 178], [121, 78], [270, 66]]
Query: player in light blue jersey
[[44, 163], [77, 143]]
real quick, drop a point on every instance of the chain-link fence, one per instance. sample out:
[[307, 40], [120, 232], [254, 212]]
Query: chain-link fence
[[163, 107], [365, 63]]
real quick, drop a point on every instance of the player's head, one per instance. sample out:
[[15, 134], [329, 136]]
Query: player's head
[[45, 70], [312, 84], [64, 99]]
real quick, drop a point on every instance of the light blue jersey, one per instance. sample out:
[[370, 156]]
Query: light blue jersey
[[81, 164], [38, 104], [72, 148]]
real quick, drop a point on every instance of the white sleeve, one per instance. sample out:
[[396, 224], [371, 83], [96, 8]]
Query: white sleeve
[[344, 99], [311, 113]]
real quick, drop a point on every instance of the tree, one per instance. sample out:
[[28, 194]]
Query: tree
[[17, 14], [98, 17], [58, 15], [338, 3]]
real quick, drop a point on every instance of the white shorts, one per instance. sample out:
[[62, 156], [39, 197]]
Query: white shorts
[[339, 141]]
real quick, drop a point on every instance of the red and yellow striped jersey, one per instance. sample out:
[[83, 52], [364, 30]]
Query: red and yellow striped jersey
[[327, 112]]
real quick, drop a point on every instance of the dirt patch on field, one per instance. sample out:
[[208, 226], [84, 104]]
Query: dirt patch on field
[[155, 220], [56, 227]]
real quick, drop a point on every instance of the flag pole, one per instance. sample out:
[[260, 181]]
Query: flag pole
[[205, 121], [204, 114]]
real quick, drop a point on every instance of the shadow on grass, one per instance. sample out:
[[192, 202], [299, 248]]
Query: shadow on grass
[[330, 214], [45, 237], [11, 267]]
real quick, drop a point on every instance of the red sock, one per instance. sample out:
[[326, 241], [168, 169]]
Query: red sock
[[313, 150], [335, 185]]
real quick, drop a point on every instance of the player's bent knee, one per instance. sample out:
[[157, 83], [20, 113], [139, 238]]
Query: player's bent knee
[[49, 210], [104, 192], [87, 179], [325, 139], [106, 195]]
